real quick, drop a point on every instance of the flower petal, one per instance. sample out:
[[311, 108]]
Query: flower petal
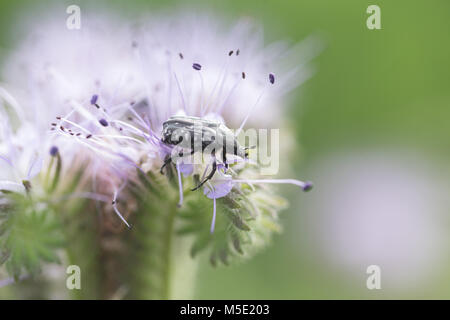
[[35, 167], [11, 186], [186, 168], [220, 189]]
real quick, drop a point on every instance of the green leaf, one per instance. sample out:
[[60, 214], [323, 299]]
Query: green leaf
[[30, 236], [245, 221]]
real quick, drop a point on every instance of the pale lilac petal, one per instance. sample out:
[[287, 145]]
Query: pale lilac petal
[[220, 190], [186, 168], [11, 186], [35, 167], [6, 160]]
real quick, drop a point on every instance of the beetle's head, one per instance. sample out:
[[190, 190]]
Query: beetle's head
[[247, 151], [166, 135]]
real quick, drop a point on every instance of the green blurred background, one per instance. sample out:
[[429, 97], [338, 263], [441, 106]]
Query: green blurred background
[[380, 91]]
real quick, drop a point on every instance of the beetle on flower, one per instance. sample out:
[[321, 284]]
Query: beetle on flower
[[162, 97]]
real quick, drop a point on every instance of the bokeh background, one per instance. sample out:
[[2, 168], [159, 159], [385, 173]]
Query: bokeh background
[[373, 132]]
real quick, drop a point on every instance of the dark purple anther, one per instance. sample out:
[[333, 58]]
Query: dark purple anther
[[197, 66], [103, 122], [230, 53], [237, 52], [308, 186], [94, 99], [271, 78], [53, 151]]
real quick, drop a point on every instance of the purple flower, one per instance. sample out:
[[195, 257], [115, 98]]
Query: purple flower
[[218, 190], [186, 168]]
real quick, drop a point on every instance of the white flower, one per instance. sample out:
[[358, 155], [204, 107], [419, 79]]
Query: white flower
[[194, 66], [53, 75], [197, 64], [112, 86], [20, 159]]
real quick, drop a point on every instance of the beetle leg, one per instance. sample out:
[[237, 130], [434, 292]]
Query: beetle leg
[[166, 162], [211, 174], [224, 157], [169, 159]]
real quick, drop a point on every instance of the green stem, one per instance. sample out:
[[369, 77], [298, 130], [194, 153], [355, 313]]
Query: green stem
[[168, 253], [159, 265], [83, 248], [57, 173]]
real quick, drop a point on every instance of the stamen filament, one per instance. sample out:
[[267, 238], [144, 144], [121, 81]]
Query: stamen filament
[[75, 125], [229, 96], [181, 92], [213, 222], [250, 112], [125, 124], [306, 186], [119, 137], [180, 186], [117, 210]]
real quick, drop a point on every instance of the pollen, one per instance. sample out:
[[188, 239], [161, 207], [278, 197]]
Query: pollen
[[272, 78], [94, 99], [197, 66], [103, 122], [53, 151], [308, 186]]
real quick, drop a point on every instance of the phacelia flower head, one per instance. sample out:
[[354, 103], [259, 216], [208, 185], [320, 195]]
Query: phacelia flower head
[[20, 157], [58, 78], [199, 69], [112, 88]]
